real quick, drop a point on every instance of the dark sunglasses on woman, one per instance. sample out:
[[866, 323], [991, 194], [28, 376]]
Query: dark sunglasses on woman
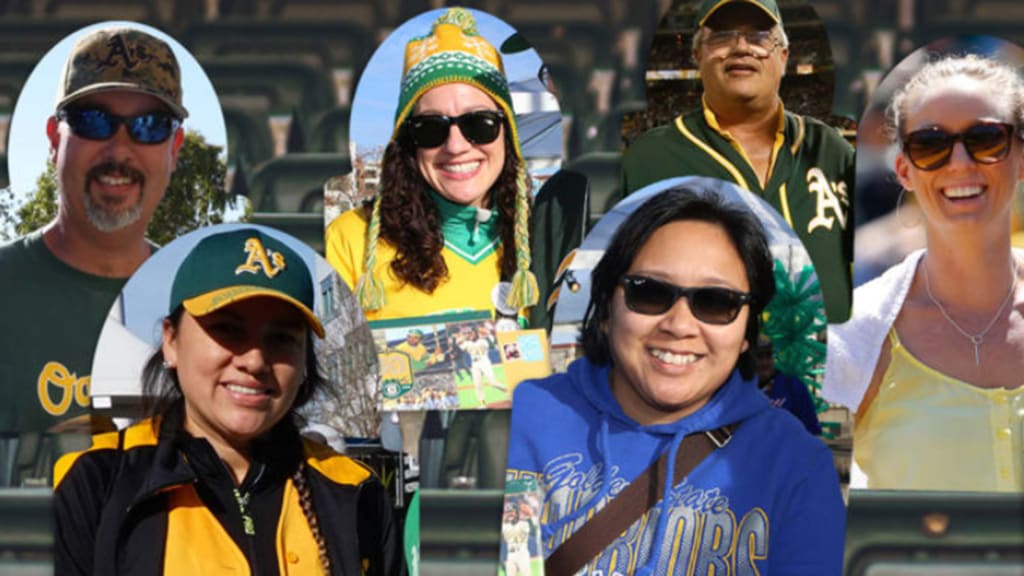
[[98, 124], [985, 142], [709, 304], [432, 130]]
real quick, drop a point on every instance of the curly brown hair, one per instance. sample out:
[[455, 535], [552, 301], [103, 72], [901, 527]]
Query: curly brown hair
[[409, 219]]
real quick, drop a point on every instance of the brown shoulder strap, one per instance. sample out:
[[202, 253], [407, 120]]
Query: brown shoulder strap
[[638, 497]]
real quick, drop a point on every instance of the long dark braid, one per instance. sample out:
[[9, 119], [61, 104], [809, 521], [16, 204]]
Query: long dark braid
[[306, 501]]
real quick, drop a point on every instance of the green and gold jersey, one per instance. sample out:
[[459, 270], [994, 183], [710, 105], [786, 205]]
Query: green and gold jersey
[[52, 316], [810, 184]]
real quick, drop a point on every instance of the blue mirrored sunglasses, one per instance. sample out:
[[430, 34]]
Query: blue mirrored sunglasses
[[98, 124]]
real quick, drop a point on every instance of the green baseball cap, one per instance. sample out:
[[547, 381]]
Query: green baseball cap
[[122, 59], [235, 265], [709, 7]]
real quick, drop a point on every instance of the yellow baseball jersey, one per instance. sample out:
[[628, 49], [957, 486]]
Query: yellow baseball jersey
[[468, 286], [927, 431]]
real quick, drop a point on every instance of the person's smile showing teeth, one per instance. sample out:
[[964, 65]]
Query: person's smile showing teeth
[[962, 191], [114, 181], [674, 358], [461, 169], [248, 390], [254, 395]]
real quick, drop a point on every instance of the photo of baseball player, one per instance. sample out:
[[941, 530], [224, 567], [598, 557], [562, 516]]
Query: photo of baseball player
[[515, 534], [478, 342], [520, 530], [413, 346]]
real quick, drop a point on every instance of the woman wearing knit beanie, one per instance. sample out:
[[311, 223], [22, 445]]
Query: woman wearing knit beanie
[[451, 219]]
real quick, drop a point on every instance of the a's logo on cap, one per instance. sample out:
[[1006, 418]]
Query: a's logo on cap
[[118, 48], [260, 259]]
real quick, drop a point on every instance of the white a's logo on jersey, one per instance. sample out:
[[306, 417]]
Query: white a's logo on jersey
[[831, 196], [260, 259]]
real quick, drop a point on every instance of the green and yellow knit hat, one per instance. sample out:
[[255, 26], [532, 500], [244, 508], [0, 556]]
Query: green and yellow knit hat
[[454, 52]]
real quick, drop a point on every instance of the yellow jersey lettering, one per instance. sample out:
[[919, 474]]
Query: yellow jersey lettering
[[69, 388]]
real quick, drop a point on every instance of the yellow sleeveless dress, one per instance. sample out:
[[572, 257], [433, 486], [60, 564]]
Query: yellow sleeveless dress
[[927, 431]]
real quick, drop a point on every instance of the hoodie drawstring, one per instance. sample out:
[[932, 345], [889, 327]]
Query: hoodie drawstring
[[664, 508]]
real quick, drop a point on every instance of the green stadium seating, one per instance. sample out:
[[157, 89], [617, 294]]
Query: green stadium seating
[[26, 529], [148, 11], [920, 533], [294, 182], [330, 132], [249, 134], [460, 531], [604, 173]]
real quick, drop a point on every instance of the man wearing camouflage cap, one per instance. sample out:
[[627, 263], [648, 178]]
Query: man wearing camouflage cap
[[114, 140]]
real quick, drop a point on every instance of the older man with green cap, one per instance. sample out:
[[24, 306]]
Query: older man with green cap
[[114, 140], [742, 134]]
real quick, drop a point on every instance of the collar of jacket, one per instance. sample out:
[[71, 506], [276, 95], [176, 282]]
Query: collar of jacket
[[182, 459]]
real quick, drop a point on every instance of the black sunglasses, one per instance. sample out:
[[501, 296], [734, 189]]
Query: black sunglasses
[[985, 142], [98, 124], [709, 304], [431, 130]]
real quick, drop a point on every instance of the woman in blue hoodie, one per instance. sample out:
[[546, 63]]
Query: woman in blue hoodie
[[670, 338]]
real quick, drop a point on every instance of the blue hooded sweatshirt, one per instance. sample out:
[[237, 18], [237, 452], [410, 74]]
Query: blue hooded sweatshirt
[[767, 503]]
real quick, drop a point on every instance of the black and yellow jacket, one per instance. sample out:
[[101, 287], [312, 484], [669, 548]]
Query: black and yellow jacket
[[153, 500]]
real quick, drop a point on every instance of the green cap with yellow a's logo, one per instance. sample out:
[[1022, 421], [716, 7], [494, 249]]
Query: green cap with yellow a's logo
[[238, 264], [709, 7]]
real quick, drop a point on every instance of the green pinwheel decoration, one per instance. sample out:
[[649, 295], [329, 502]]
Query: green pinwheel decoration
[[795, 321]]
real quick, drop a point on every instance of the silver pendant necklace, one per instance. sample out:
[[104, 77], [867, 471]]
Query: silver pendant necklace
[[979, 338]]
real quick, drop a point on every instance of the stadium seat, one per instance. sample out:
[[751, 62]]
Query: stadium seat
[[460, 531], [325, 44], [26, 531], [294, 182], [604, 173], [305, 226], [287, 83], [366, 14], [21, 35], [14, 70], [330, 132], [249, 134], [147, 11], [920, 533]]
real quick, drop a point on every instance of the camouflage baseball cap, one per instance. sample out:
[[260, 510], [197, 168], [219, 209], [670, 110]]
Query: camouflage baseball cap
[[123, 59]]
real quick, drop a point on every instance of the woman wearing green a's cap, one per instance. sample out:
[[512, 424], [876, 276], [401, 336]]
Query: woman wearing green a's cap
[[218, 479], [451, 218]]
